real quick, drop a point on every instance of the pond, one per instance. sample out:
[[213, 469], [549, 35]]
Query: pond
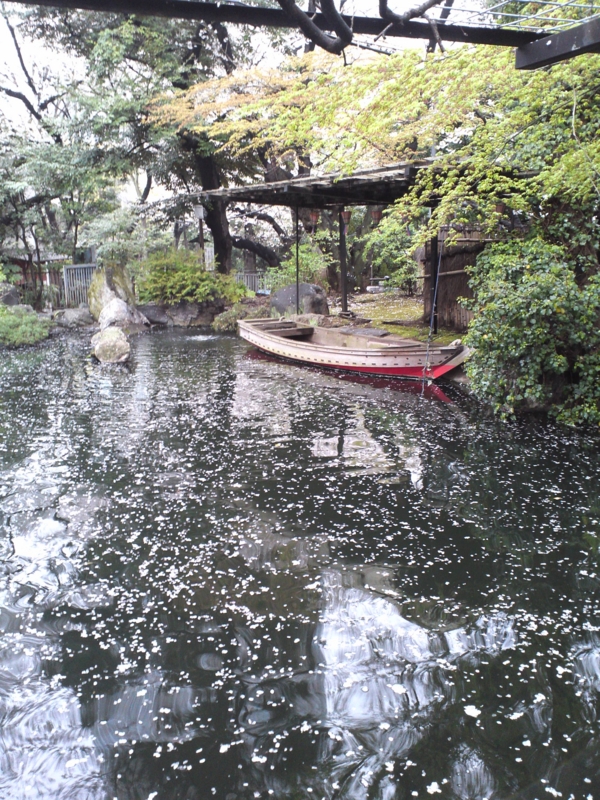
[[225, 576]]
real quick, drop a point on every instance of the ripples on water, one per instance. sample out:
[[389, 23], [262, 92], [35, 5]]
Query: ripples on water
[[226, 577]]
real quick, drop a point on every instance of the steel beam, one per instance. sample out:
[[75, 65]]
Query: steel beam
[[240, 14], [560, 46]]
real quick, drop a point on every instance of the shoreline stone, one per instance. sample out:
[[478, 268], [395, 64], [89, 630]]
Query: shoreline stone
[[313, 300], [183, 314], [111, 346]]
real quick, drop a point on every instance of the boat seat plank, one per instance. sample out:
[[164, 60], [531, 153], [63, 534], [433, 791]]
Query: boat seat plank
[[288, 333]]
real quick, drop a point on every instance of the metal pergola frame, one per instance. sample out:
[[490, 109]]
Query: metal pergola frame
[[559, 30]]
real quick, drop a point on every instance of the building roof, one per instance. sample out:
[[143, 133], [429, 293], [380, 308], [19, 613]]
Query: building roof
[[379, 186]]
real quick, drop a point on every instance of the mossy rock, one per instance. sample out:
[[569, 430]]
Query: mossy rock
[[227, 321], [108, 283], [111, 346]]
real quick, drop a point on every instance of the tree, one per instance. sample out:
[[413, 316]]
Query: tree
[[130, 60]]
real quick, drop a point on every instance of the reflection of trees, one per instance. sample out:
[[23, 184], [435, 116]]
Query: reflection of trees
[[285, 585]]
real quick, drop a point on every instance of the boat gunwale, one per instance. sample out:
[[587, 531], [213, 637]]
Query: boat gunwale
[[384, 352]]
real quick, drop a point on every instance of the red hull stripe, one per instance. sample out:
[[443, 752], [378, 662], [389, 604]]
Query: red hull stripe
[[396, 372], [390, 372]]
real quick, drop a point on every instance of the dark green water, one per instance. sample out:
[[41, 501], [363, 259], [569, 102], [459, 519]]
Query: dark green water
[[227, 577]]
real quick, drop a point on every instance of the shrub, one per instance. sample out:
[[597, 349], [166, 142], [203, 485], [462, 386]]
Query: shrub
[[535, 332], [389, 246], [177, 275], [20, 327], [312, 262]]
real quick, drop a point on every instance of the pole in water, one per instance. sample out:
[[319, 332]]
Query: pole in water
[[297, 266], [434, 261], [343, 268]]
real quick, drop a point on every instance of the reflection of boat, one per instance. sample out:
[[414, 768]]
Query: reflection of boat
[[430, 391], [367, 351]]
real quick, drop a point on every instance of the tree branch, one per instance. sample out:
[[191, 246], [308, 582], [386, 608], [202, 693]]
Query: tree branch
[[400, 19], [263, 217], [33, 111], [443, 17], [312, 31], [25, 100], [337, 22], [261, 250], [147, 187], [20, 57]]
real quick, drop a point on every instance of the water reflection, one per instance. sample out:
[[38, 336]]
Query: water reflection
[[229, 577]]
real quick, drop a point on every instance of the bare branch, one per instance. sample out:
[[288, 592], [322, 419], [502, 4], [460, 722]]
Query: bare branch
[[261, 250], [263, 217], [25, 100], [400, 19], [337, 22], [20, 57], [147, 187], [435, 31], [312, 31], [443, 17]]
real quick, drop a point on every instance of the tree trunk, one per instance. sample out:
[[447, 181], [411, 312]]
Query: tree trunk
[[216, 215]]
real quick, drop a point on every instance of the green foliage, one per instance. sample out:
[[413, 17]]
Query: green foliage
[[390, 248], [313, 264], [536, 331], [177, 275], [19, 327], [124, 236]]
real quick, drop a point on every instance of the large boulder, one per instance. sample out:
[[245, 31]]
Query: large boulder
[[9, 295], [111, 346], [184, 314], [73, 318], [107, 284], [313, 299], [155, 314], [117, 313]]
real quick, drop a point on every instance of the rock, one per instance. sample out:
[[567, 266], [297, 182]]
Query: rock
[[184, 314], [20, 308], [155, 313], [119, 314], [313, 299], [107, 284], [111, 346], [9, 295], [73, 318]]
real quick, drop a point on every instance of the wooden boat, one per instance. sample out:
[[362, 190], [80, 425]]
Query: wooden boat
[[369, 351]]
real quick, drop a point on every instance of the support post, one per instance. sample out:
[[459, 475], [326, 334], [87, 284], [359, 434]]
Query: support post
[[434, 263], [343, 264], [297, 263]]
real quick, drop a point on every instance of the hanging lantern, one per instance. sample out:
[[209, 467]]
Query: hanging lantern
[[346, 216], [315, 215], [376, 215]]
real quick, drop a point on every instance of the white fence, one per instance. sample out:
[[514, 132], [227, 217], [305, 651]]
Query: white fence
[[77, 279], [257, 283]]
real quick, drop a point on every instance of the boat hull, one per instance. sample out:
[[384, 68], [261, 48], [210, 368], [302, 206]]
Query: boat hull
[[398, 359]]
